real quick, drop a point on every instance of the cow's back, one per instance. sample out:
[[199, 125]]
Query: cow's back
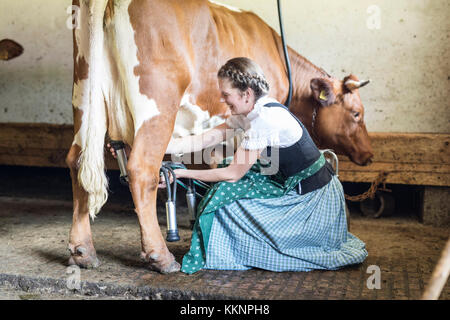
[[244, 34], [192, 39]]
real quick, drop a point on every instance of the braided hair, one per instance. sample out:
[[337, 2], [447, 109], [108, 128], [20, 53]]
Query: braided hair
[[243, 74]]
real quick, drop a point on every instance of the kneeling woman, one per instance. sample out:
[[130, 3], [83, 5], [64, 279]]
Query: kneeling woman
[[289, 220]]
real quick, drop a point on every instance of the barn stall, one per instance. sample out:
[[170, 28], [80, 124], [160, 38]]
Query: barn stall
[[402, 215]]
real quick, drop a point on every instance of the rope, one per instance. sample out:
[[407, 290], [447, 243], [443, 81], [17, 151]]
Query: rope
[[372, 190]]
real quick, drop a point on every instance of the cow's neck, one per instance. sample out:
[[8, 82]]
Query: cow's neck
[[303, 103]]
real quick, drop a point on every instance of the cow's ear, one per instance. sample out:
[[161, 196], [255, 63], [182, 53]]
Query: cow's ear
[[322, 90]]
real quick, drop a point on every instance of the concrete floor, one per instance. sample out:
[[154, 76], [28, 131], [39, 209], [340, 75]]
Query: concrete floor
[[33, 251], [34, 229]]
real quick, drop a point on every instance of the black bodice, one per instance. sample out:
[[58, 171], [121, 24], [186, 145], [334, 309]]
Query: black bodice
[[299, 156]]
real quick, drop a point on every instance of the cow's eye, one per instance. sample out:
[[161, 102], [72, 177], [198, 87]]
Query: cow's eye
[[356, 114]]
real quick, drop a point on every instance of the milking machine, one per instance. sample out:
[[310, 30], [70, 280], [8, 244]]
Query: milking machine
[[119, 149], [167, 169], [171, 213], [191, 202]]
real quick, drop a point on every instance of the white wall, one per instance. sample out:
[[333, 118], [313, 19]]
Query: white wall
[[407, 58], [37, 86]]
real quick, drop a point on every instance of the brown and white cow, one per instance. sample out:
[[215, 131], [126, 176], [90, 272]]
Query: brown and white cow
[[137, 61]]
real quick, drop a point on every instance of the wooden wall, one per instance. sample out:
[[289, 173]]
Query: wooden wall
[[409, 158]]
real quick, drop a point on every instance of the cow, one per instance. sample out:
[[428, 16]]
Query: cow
[[9, 49], [137, 61]]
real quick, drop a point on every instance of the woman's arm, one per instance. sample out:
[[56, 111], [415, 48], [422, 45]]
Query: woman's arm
[[199, 142], [241, 163]]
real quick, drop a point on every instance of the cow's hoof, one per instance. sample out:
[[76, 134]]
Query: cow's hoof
[[159, 265], [81, 257], [173, 267]]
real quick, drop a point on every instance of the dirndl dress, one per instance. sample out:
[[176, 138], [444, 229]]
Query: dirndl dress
[[258, 222]]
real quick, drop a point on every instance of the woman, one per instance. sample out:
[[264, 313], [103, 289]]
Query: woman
[[288, 215]]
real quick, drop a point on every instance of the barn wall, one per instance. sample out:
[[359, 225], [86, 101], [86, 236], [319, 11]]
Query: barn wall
[[407, 57], [37, 86]]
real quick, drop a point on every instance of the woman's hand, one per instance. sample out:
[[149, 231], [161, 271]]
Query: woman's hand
[[113, 152], [162, 180], [195, 143], [241, 163]]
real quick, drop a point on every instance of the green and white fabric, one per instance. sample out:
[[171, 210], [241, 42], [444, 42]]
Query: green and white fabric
[[259, 222]]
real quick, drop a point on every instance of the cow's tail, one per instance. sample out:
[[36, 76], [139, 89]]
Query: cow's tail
[[91, 172]]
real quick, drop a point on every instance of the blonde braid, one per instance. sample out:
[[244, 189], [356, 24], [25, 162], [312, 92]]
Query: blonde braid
[[244, 74]]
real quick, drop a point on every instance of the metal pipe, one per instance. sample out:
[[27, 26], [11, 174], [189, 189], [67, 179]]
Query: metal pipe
[[191, 202], [174, 191], [286, 55], [171, 214], [335, 158], [166, 178]]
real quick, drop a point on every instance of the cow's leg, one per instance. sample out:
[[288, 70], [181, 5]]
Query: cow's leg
[[81, 247], [148, 150]]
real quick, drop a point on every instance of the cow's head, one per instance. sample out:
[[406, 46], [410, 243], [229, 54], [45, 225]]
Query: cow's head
[[339, 122], [9, 49]]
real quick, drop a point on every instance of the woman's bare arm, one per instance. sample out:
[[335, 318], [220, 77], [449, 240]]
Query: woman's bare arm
[[242, 162], [199, 142], [191, 144]]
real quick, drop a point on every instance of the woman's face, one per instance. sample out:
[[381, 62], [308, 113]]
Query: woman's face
[[239, 102]]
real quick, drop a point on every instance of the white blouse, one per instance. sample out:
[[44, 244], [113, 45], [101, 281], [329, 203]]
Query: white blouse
[[266, 126]]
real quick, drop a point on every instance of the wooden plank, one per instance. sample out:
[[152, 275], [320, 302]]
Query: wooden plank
[[409, 158], [395, 167], [38, 144], [404, 177], [25, 135], [400, 173], [410, 147], [37, 157]]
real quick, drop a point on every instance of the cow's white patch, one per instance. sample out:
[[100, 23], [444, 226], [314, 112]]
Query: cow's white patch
[[144, 112], [141, 107], [226, 6], [80, 100], [79, 95], [115, 94], [91, 46], [80, 135], [82, 34], [192, 120]]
